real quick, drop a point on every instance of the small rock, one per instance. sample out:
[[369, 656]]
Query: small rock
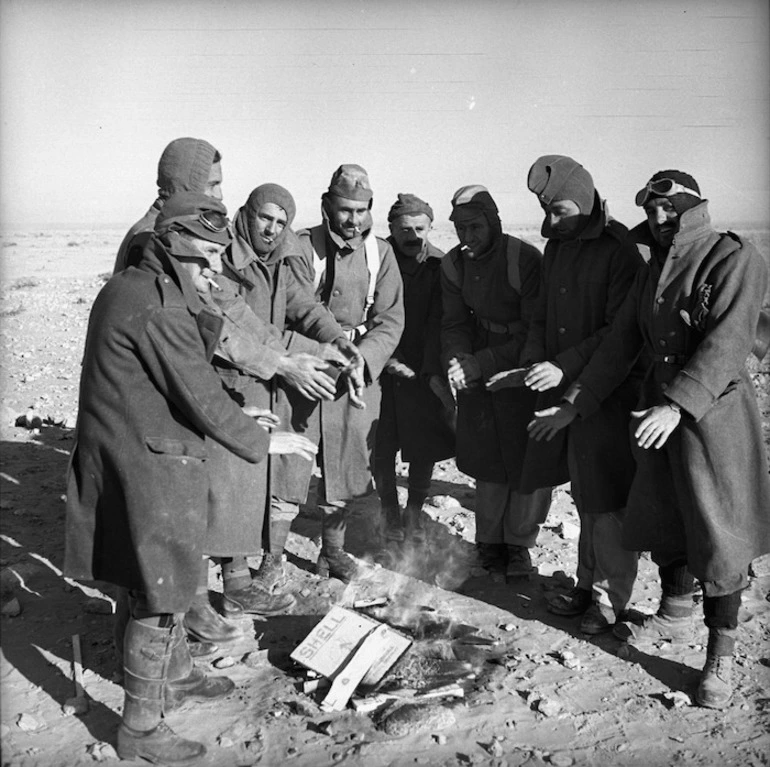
[[568, 531], [413, 718], [508, 626], [443, 502], [12, 608], [28, 723], [224, 742], [225, 662], [677, 699], [75, 706], [561, 760], [304, 593], [760, 567], [440, 739], [548, 706], [97, 606], [494, 748], [255, 658], [101, 751]]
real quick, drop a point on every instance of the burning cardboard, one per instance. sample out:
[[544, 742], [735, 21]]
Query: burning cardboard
[[350, 649]]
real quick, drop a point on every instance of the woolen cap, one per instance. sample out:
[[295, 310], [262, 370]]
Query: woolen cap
[[200, 215], [277, 195], [351, 182], [409, 205], [558, 177], [185, 166], [681, 201]]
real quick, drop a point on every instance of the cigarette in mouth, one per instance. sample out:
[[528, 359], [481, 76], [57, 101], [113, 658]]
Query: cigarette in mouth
[[212, 283]]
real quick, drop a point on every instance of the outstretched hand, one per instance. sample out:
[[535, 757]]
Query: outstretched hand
[[288, 443], [463, 370], [549, 422], [657, 424], [306, 373], [543, 376], [401, 369]]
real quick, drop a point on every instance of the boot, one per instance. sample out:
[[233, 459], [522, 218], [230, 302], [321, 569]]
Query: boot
[[391, 524], [490, 558], [672, 623], [716, 685], [142, 733], [271, 572], [334, 561], [414, 523], [254, 600], [204, 623], [519, 562], [185, 681]]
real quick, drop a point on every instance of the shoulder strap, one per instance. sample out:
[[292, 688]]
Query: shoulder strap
[[449, 265], [372, 252], [318, 244], [514, 273]]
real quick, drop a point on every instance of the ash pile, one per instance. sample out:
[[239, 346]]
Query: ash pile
[[405, 666]]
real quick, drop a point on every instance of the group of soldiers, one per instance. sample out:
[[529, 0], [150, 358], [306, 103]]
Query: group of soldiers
[[225, 359]]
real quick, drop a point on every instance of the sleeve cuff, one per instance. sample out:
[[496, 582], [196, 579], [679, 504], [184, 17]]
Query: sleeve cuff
[[690, 395], [487, 363]]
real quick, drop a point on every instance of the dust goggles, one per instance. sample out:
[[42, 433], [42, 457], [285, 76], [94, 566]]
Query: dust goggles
[[662, 187], [212, 220]]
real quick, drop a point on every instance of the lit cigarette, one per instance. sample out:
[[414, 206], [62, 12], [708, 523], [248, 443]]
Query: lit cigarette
[[212, 283]]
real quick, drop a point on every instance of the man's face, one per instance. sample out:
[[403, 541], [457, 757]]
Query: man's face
[[202, 269], [663, 220], [473, 231], [563, 216], [271, 220], [411, 233], [213, 186], [347, 217]]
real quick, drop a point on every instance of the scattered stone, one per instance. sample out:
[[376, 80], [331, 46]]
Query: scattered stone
[[225, 662], [96, 606], [568, 659], [75, 706], [677, 699], [101, 751], [494, 748], [223, 741], [568, 531], [28, 723], [444, 502], [760, 567], [305, 593], [548, 706], [254, 659], [440, 739], [413, 718], [508, 626], [561, 760], [12, 608]]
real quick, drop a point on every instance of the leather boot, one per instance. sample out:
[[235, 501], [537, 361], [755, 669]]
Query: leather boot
[[185, 681], [672, 623], [334, 561], [391, 524], [142, 733], [271, 573], [490, 559], [519, 562], [716, 684], [205, 624], [414, 523]]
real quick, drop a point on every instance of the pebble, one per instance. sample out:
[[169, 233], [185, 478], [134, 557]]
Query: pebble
[[28, 723], [677, 699], [548, 707], [495, 748], [101, 751], [224, 742], [12, 608], [225, 662], [508, 626], [760, 567], [440, 739], [561, 760], [412, 718], [75, 706]]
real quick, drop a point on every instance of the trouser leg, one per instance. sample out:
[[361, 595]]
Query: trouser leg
[[202, 621], [419, 486], [524, 515], [614, 568]]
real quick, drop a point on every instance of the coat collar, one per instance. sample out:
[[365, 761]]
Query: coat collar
[[594, 227]]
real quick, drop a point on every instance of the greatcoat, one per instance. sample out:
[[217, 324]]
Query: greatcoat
[[411, 415], [485, 315], [585, 280], [240, 491], [347, 433], [706, 493], [137, 485]]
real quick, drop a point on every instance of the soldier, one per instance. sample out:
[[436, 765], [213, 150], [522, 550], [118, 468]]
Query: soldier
[[356, 276], [412, 417]]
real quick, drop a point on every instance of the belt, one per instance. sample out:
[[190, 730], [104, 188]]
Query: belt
[[670, 359], [499, 327], [353, 334]]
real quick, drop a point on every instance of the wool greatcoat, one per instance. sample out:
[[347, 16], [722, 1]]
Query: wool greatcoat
[[584, 281], [137, 485], [240, 491], [706, 493], [411, 415], [485, 315], [347, 433]]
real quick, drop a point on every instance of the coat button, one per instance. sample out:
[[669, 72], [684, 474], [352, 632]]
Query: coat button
[[661, 300], [662, 341], [336, 292], [664, 386], [562, 290], [562, 331]]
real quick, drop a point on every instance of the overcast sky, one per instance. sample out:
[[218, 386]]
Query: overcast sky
[[427, 95]]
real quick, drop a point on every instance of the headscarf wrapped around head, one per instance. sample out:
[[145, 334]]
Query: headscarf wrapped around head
[[474, 199], [246, 219], [558, 177], [185, 166]]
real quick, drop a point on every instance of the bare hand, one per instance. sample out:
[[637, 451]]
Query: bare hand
[[305, 372], [349, 351], [331, 353], [356, 384], [265, 418], [549, 422], [463, 371], [543, 376], [401, 369], [656, 426], [288, 443], [506, 379]]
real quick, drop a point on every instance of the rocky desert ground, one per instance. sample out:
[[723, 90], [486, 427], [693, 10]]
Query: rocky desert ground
[[539, 692]]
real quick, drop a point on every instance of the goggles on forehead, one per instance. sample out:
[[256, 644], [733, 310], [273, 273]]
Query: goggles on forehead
[[662, 187]]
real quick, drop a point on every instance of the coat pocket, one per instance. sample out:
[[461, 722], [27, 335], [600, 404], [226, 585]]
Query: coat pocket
[[176, 448]]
